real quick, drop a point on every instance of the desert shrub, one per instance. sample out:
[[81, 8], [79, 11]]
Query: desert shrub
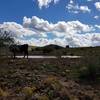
[[50, 80], [3, 93], [50, 94], [32, 49], [91, 69], [28, 91], [53, 83], [52, 87], [43, 97], [47, 50], [64, 94], [50, 68]]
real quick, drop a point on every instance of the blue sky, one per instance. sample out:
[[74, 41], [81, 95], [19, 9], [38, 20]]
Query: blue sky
[[42, 17], [15, 10]]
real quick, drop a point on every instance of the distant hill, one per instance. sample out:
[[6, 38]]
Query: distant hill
[[59, 50], [47, 48], [53, 46], [50, 48]]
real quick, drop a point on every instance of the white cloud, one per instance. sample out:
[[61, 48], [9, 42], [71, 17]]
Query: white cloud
[[34, 31], [97, 26], [89, 0], [96, 17], [45, 3], [97, 5], [19, 32], [84, 9], [15, 29], [71, 1], [72, 8], [61, 26], [75, 8], [56, 1], [36, 24]]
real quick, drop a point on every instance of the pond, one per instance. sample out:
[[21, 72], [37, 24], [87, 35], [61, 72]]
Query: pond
[[53, 57]]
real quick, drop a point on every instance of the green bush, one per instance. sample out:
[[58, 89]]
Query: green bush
[[91, 69]]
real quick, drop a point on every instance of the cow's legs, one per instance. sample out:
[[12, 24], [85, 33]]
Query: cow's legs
[[26, 54], [14, 55]]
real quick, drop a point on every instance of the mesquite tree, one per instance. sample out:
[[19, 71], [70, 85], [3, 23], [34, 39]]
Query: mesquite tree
[[5, 39]]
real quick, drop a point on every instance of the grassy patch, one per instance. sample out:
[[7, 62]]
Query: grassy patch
[[91, 68]]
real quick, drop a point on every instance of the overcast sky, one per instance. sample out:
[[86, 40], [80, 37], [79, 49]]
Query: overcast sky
[[43, 22]]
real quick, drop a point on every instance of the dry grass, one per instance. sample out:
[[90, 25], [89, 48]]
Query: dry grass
[[47, 79]]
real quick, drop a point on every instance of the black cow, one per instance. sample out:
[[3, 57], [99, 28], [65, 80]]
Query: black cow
[[19, 49]]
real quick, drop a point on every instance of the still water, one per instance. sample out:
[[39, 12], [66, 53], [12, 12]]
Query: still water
[[53, 57]]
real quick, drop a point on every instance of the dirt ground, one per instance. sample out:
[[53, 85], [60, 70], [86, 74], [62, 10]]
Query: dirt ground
[[44, 79]]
